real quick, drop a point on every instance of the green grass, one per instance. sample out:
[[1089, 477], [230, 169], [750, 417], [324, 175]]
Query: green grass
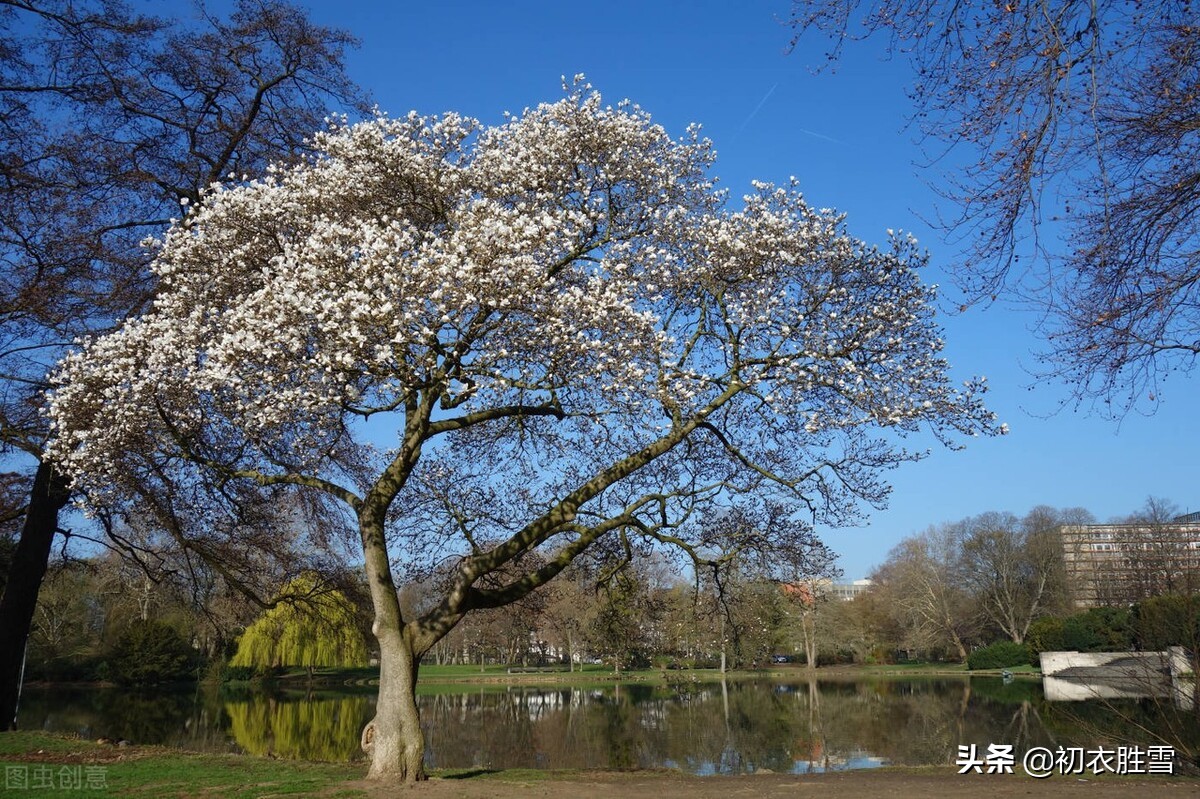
[[157, 772], [16, 743], [230, 776], [436, 679]]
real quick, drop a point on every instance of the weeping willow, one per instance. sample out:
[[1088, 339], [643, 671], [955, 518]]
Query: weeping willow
[[317, 729], [319, 629]]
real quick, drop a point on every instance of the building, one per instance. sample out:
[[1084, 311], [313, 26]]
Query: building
[[1118, 564], [848, 591], [825, 588]]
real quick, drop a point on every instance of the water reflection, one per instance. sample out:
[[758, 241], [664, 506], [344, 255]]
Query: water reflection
[[305, 729], [700, 728]]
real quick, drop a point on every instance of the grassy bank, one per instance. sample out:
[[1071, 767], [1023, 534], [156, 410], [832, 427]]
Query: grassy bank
[[38, 764], [434, 676]]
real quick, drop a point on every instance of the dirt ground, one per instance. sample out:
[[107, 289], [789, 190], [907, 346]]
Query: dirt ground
[[844, 785]]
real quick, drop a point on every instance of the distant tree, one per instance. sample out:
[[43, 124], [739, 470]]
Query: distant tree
[[1158, 555], [111, 123], [317, 626], [151, 652], [568, 604], [1079, 117], [845, 627], [576, 341], [620, 623], [922, 584], [1013, 568]]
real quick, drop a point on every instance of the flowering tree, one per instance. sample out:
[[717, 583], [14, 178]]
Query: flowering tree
[[576, 342]]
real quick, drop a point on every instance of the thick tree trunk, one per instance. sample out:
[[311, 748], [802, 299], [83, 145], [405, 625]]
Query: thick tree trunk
[[393, 739], [49, 495]]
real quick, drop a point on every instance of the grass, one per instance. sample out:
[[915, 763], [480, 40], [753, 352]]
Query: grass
[[439, 678], [160, 772]]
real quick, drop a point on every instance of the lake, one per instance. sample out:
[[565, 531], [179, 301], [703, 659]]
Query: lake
[[701, 728]]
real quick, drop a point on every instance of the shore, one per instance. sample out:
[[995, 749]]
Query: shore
[[432, 676]]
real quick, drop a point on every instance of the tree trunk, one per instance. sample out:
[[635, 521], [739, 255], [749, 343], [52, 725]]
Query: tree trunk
[[808, 625], [393, 739], [50, 493], [962, 649]]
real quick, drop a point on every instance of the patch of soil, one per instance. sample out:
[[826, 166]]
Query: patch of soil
[[895, 782]]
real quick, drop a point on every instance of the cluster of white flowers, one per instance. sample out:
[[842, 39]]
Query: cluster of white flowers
[[576, 253]]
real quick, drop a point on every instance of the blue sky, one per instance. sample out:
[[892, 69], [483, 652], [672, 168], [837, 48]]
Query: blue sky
[[843, 135]]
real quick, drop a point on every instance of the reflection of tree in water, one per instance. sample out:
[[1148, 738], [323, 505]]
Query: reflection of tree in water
[[1125, 722], [689, 725], [526, 728], [310, 729], [750, 727], [482, 730], [905, 723], [176, 718]]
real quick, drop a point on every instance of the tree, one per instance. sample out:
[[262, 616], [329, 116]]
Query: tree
[[924, 586], [1083, 194], [109, 121], [150, 652], [619, 627], [316, 626], [576, 343], [1014, 568], [1157, 556]]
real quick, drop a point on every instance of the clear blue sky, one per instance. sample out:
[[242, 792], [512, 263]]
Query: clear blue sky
[[843, 135]]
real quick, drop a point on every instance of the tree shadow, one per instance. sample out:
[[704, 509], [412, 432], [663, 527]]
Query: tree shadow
[[470, 773]]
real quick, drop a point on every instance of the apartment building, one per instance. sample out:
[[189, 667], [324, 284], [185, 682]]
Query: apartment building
[[1117, 564]]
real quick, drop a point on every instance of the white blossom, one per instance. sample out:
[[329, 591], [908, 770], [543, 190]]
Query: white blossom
[[575, 255]]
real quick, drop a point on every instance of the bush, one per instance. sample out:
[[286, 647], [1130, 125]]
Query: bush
[[1046, 634], [1094, 630], [1169, 620], [152, 652], [999, 655]]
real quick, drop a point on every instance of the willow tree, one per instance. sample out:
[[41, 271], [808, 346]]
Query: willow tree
[[577, 340], [316, 626]]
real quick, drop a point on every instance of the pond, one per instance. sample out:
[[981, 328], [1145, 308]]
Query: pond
[[697, 727]]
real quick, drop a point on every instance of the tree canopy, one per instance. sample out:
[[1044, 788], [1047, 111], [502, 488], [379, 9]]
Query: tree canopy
[[575, 338], [1080, 191], [110, 119], [316, 626]]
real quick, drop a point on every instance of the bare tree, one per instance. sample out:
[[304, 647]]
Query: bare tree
[[923, 583], [1013, 568], [1157, 554], [1083, 195], [111, 123]]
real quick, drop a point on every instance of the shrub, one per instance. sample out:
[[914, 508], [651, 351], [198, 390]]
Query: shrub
[[1169, 620], [1093, 630], [151, 652], [999, 655], [1045, 635]]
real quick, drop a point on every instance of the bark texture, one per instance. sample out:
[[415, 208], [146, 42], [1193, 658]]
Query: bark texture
[[48, 497]]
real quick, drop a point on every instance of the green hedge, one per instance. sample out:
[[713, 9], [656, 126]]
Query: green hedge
[[999, 655]]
